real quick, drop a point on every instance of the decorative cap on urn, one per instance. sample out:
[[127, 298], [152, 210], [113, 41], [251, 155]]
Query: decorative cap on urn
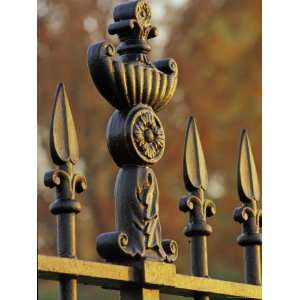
[[132, 25], [131, 78]]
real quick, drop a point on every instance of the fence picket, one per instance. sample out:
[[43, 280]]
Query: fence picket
[[64, 153], [199, 208], [249, 215]]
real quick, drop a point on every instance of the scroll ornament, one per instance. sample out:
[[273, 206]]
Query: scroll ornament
[[138, 88]]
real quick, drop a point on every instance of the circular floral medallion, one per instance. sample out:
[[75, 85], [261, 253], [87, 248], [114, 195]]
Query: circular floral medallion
[[148, 135]]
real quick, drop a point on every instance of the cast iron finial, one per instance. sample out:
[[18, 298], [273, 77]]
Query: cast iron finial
[[137, 87], [132, 25], [196, 180], [249, 191], [194, 165], [63, 137], [248, 183], [195, 203], [64, 152], [249, 214], [129, 78]]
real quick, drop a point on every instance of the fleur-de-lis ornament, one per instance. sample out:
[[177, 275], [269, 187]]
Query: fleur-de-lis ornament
[[64, 152], [138, 88], [199, 208], [125, 76], [249, 214]]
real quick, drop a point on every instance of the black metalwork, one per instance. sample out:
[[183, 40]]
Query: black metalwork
[[65, 154], [249, 215], [137, 88], [139, 262], [199, 208], [131, 78]]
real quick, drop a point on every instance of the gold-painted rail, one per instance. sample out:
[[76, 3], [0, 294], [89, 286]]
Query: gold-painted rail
[[113, 276], [139, 262]]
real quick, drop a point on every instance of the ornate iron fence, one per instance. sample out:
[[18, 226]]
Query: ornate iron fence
[[139, 262]]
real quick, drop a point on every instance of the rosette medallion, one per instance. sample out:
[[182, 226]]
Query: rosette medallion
[[137, 88], [137, 137]]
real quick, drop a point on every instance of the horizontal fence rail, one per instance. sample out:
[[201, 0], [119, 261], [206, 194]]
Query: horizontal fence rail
[[139, 262], [166, 280]]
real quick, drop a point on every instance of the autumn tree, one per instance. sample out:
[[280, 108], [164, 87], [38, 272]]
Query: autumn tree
[[217, 46]]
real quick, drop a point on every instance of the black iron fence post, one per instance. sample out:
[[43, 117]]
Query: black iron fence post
[[199, 208], [249, 215], [64, 152], [138, 88]]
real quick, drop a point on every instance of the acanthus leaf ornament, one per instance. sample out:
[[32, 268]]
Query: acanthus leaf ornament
[[136, 196], [137, 88]]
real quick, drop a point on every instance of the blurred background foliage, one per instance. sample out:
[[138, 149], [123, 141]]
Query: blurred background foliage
[[217, 45]]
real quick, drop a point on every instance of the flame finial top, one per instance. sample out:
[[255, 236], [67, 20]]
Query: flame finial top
[[63, 137], [248, 182], [132, 25], [194, 166]]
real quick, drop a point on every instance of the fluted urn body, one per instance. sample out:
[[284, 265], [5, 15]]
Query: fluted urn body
[[125, 76], [126, 84], [137, 88]]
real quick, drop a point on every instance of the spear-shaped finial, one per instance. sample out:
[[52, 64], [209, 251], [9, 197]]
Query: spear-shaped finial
[[249, 215], [64, 152], [248, 183], [63, 137], [199, 208], [194, 165], [196, 181]]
